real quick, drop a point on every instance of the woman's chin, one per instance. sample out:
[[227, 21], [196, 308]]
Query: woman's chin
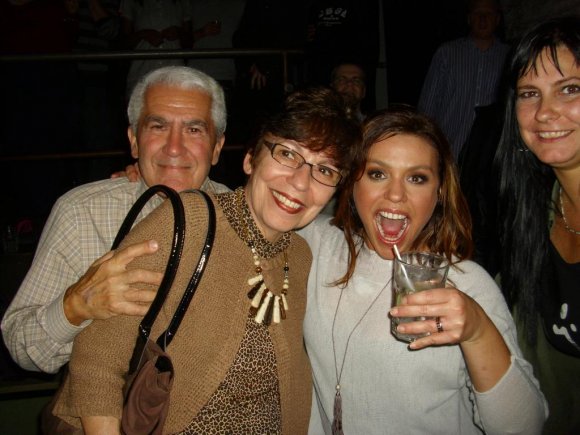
[[384, 246]]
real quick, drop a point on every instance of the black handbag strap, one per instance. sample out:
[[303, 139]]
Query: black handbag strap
[[147, 322], [174, 254], [167, 336]]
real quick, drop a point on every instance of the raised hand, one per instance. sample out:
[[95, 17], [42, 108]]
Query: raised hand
[[461, 321], [131, 172], [460, 318], [108, 289]]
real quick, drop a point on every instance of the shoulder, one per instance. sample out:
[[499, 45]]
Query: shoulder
[[95, 191], [214, 187], [301, 247], [472, 279], [501, 46], [194, 206], [449, 47], [321, 232], [93, 197], [468, 270]]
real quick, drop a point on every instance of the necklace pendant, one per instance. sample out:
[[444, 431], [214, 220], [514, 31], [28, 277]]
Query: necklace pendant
[[255, 279], [277, 310], [282, 308], [284, 303], [258, 299], [266, 307], [337, 420], [261, 314], [269, 310], [255, 289]]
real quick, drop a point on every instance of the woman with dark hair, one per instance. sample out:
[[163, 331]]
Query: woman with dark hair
[[236, 370], [538, 160], [467, 374]]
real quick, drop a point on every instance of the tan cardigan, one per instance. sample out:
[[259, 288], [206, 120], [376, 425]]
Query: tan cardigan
[[210, 334]]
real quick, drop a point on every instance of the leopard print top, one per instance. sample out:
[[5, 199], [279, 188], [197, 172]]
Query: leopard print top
[[248, 399], [240, 218]]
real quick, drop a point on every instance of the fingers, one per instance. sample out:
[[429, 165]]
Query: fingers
[[135, 309], [119, 295], [124, 256], [434, 336], [446, 314], [103, 259], [432, 296], [129, 253], [140, 276], [132, 172], [136, 302], [108, 289], [258, 80]]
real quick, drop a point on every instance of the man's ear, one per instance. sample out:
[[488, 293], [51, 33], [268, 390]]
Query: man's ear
[[248, 163], [217, 149], [133, 142]]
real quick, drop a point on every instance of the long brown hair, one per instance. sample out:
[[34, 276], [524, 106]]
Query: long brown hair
[[448, 232]]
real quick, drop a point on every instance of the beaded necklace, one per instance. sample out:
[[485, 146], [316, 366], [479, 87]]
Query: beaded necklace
[[265, 306]]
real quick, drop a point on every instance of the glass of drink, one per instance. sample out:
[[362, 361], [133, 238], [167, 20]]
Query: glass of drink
[[415, 272]]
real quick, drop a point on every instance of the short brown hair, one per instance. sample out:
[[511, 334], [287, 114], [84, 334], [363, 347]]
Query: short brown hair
[[315, 117]]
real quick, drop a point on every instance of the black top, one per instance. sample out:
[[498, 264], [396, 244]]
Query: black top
[[562, 313]]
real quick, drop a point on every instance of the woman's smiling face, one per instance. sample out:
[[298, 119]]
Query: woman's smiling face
[[548, 110], [397, 193]]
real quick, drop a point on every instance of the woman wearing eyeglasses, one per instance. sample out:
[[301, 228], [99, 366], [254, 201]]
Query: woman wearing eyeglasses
[[238, 356]]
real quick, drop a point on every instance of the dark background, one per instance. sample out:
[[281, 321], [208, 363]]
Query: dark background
[[39, 100]]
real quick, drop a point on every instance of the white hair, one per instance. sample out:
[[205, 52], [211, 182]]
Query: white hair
[[184, 78]]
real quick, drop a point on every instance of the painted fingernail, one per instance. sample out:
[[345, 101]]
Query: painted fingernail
[[153, 244]]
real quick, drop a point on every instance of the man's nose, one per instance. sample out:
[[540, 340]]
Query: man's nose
[[174, 145]]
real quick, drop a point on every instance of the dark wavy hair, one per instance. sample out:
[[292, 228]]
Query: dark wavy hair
[[317, 118], [525, 183], [448, 232]]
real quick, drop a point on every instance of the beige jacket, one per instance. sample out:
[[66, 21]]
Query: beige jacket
[[210, 334]]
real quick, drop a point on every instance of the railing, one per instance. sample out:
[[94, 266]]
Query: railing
[[159, 54], [118, 151], [132, 55]]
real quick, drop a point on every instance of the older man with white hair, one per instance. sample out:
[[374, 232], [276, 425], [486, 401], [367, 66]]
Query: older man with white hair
[[177, 119]]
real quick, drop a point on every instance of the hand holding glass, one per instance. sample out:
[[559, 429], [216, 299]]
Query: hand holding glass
[[415, 272]]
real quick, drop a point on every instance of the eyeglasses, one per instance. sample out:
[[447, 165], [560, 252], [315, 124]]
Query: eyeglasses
[[291, 159], [356, 81]]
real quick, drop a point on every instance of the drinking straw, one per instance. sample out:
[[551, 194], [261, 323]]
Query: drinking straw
[[408, 281]]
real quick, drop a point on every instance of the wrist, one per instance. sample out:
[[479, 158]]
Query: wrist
[[71, 305]]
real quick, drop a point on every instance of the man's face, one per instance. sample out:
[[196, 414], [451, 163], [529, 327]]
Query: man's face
[[176, 142], [483, 19], [349, 82]]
